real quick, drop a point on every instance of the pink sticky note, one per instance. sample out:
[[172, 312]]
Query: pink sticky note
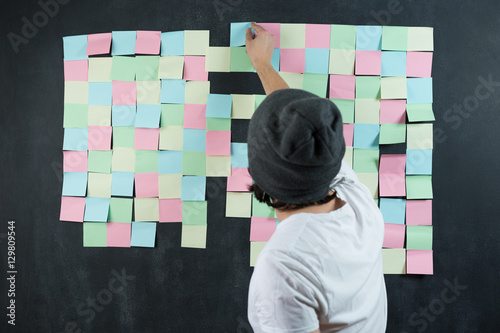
[[218, 143], [348, 134], [293, 60], [394, 236], [98, 43], [318, 36], [239, 180], [419, 262], [118, 234], [194, 116], [274, 29], [74, 161], [393, 111], [342, 86], [146, 185], [368, 62], [72, 209], [170, 210], [146, 138], [100, 137], [194, 68], [261, 228], [419, 212], [124, 93], [418, 64], [148, 42], [76, 70], [392, 180]]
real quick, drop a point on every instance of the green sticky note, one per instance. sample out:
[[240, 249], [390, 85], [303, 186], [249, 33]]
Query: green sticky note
[[120, 210], [368, 87], [99, 161], [419, 112], [419, 237], [94, 234], [343, 37], [75, 116], [123, 68], [218, 124], [394, 38], [147, 68], [194, 236], [315, 83], [194, 163], [123, 137], [392, 133], [258, 100], [261, 209], [346, 107], [255, 249], [367, 111], [172, 114], [240, 62], [238, 204], [418, 187], [146, 161], [394, 261], [366, 160], [194, 213]]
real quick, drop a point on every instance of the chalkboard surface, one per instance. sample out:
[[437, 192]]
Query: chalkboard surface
[[62, 287]]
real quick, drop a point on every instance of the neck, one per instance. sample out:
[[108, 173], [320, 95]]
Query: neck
[[315, 209]]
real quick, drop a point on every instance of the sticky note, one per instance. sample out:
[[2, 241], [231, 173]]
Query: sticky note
[[274, 29], [348, 156], [346, 108], [99, 161], [392, 111], [75, 139], [419, 187], [194, 236], [218, 166], [243, 106], [146, 138], [275, 60], [75, 47], [239, 60], [394, 236], [238, 204], [99, 115], [148, 42], [419, 64], [120, 210], [123, 42], [76, 92], [369, 37], [419, 262], [147, 68], [100, 69], [170, 210], [261, 209], [368, 62], [394, 38], [146, 209], [292, 60], [317, 60], [368, 87], [94, 234], [239, 155], [194, 213], [366, 160], [169, 162], [124, 93], [342, 86], [173, 91], [315, 83], [255, 249], [239, 180], [98, 43], [419, 90], [393, 87], [341, 62], [148, 115], [74, 184], [294, 80], [194, 140], [419, 212], [394, 261], [118, 234], [148, 92], [196, 92], [419, 136], [99, 185], [146, 161], [194, 68], [392, 175], [194, 116], [292, 36], [393, 210], [219, 105], [74, 161], [218, 143], [194, 163], [171, 137], [146, 185], [123, 137], [72, 209], [261, 228], [366, 136], [172, 43], [419, 237], [238, 33], [218, 59], [348, 134], [143, 234], [193, 188], [196, 42], [122, 183], [123, 68], [96, 209], [75, 116], [76, 70], [420, 112], [419, 161], [393, 63], [367, 111], [123, 159], [100, 93], [392, 133], [420, 39], [171, 67], [318, 36], [100, 137], [123, 115], [172, 114], [169, 186], [343, 37], [370, 180]]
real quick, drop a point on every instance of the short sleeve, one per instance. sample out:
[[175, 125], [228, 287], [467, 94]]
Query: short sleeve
[[282, 295]]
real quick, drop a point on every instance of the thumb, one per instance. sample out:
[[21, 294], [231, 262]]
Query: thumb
[[249, 35]]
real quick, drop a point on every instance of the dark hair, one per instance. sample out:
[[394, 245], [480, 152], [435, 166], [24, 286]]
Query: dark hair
[[261, 196]]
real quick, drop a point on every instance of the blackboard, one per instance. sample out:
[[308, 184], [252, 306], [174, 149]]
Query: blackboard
[[175, 289]]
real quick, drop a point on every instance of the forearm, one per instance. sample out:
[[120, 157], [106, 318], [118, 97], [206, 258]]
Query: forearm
[[270, 79]]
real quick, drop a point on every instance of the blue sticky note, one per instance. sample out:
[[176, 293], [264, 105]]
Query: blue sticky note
[[123, 42], [96, 209], [239, 155], [74, 184], [172, 43], [275, 60], [238, 33], [143, 234], [76, 139], [419, 161], [219, 106], [193, 188], [169, 162], [317, 61], [122, 183], [366, 136], [393, 63], [148, 115], [393, 210], [369, 37], [123, 115], [194, 139], [419, 90], [173, 91], [75, 47], [100, 93]]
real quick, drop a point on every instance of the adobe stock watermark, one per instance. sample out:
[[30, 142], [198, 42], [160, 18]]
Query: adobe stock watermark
[[30, 28]]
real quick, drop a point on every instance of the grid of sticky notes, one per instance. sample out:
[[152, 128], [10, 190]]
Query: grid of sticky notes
[[380, 78]]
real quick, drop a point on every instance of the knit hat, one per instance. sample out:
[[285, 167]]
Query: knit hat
[[295, 146]]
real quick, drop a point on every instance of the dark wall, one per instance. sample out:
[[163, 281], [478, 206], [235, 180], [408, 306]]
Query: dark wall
[[188, 290]]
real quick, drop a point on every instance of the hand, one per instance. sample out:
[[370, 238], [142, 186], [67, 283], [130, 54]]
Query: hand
[[259, 47]]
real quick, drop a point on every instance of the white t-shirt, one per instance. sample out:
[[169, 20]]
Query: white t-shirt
[[323, 270]]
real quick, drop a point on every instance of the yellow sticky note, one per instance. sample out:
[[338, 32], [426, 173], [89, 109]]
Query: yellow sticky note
[[255, 249], [294, 80], [171, 138], [76, 92], [146, 209], [196, 42], [243, 106], [367, 111], [169, 186], [123, 159], [342, 62], [393, 87], [420, 39], [348, 155], [238, 204], [217, 59], [100, 69], [370, 180], [419, 136], [171, 67], [218, 166], [99, 115], [194, 236], [99, 185], [292, 36], [196, 92], [394, 261], [148, 92]]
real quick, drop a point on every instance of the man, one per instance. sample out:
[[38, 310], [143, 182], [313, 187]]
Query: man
[[321, 271]]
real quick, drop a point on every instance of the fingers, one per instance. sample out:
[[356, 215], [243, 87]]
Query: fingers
[[257, 28], [249, 35]]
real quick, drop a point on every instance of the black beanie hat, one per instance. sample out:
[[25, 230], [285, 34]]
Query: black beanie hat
[[295, 146]]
